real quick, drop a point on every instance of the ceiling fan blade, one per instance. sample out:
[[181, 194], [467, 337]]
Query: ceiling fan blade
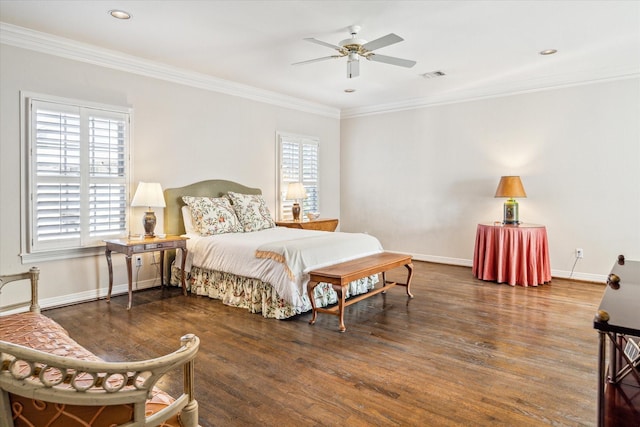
[[321, 43], [353, 69], [391, 60], [309, 61], [382, 42]]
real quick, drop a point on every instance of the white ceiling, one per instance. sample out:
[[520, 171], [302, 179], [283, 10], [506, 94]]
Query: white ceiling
[[485, 48]]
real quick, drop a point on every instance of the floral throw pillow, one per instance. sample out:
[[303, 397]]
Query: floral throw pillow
[[212, 215], [252, 211]]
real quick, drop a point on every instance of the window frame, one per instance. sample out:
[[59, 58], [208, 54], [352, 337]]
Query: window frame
[[30, 250], [283, 205]]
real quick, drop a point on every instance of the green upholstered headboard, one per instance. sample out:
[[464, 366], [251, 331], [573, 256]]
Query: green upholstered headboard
[[173, 223]]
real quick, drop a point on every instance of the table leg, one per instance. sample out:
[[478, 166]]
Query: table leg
[[613, 358], [310, 287], [130, 277], [107, 253], [620, 360], [601, 374], [184, 259], [161, 269]]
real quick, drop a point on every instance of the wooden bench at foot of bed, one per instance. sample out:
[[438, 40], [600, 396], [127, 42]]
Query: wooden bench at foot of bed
[[340, 275]]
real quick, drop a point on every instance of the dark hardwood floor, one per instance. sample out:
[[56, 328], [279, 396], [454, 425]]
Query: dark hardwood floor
[[462, 352]]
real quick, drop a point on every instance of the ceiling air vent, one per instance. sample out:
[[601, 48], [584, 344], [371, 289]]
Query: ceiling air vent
[[433, 74]]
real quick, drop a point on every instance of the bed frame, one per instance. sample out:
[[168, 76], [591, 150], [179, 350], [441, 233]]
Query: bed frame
[[173, 224]]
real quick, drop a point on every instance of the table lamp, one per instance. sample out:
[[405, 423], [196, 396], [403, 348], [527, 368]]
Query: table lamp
[[510, 187], [149, 194], [296, 191]]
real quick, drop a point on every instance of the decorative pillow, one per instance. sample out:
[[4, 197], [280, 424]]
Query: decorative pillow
[[212, 215], [252, 211]]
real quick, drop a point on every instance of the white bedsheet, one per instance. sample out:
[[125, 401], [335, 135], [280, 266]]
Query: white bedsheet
[[236, 253]]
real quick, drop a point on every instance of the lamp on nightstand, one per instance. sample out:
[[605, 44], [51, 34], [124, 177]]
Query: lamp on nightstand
[[149, 194], [296, 191], [511, 187]]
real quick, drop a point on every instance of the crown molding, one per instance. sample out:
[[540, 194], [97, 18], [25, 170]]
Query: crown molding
[[498, 91], [59, 46], [53, 45]]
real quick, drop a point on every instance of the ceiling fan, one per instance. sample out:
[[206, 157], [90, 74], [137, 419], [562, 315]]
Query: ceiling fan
[[354, 48]]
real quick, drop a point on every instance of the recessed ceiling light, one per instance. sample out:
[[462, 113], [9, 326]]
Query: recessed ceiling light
[[548, 51], [349, 90], [120, 14]]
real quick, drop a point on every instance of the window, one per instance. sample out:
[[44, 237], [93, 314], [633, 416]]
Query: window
[[298, 157], [77, 174]]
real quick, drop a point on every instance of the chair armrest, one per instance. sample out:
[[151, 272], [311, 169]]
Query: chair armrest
[[32, 275], [62, 380]]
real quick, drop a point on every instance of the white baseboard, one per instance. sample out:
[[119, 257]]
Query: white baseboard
[[560, 274], [443, 260], [585, 277], [95, 294]]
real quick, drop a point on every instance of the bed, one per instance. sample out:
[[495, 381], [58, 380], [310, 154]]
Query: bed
[[263, 270]]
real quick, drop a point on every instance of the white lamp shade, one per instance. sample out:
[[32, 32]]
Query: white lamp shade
[[296, 191], [148, 194]]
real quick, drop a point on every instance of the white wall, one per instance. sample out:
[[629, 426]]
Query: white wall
[[419, 180], [181, 135], [422, 180]]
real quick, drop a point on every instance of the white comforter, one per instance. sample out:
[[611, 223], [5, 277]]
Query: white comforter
[[236, 253]]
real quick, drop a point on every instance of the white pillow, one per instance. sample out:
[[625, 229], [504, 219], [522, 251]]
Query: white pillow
[[252, 211], [189, 228], [212, 215]]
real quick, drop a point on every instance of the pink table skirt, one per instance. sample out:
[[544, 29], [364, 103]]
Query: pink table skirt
[[517, 255]]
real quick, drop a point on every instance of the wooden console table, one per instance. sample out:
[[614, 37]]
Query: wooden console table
[[130, 247], [513, 254]]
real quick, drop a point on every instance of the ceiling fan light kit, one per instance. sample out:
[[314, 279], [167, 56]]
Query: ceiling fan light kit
[[354, 48]]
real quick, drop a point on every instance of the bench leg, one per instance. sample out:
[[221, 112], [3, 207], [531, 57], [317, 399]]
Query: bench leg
[[310, 287], [409, 276], [340, 290]]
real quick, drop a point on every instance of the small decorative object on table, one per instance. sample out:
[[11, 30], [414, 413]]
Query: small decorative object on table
[[313, 215]]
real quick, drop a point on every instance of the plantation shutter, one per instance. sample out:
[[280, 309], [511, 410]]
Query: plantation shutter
[[107, 176], [78, 190], [310, 176], [298, 157]]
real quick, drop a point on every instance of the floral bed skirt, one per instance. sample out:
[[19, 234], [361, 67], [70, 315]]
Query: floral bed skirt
[[258, 296]]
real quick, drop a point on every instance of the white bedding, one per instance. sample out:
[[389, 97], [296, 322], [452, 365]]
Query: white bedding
[[236, 253]]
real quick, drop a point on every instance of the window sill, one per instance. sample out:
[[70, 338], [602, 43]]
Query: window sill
[[60, 254]]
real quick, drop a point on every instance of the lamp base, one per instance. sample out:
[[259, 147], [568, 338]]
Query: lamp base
[[511, 212], [295, 210], [149, 223]]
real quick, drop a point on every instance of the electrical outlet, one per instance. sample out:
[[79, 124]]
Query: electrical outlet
[[579, 253], [138, 261]]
